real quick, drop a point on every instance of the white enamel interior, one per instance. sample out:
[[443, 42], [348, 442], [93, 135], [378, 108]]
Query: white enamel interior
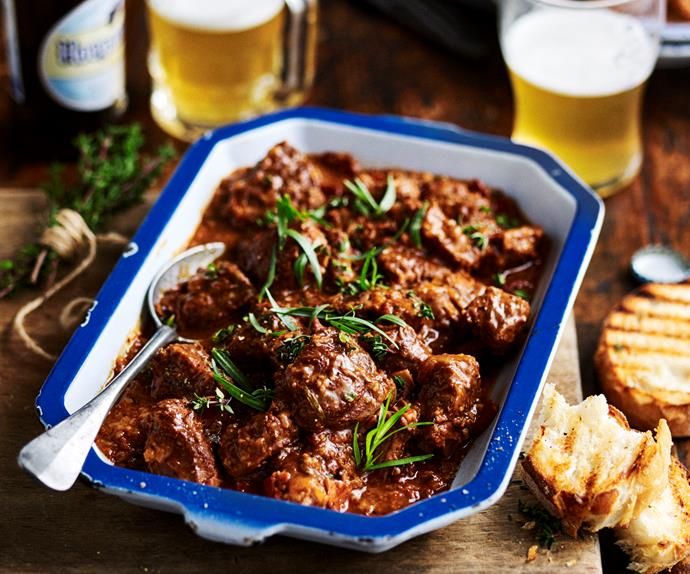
[[542, 200]]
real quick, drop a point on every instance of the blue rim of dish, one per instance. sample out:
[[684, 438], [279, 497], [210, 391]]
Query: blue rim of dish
[[263, 513]]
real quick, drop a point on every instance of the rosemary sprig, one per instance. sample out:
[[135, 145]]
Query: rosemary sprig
[[112, 174], [376, 436], [223, 367]]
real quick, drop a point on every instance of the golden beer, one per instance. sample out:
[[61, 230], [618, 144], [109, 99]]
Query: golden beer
[[216, 61], [578, 78], [597, 136]]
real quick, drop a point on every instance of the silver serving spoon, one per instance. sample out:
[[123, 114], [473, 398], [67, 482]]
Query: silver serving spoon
[[659, 264], [56, 457]]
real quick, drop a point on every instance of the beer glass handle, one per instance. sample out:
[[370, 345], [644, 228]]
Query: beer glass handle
[[296, 43]]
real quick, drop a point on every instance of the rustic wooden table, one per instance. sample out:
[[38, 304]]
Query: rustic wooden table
[[412, 77]]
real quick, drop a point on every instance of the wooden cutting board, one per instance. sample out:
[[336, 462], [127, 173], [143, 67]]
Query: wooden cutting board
[[84, 530]]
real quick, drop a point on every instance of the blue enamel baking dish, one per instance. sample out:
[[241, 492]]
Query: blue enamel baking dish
[[546, 191]]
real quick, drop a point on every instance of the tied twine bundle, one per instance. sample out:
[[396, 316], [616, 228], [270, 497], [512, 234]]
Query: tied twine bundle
[[68, 238]]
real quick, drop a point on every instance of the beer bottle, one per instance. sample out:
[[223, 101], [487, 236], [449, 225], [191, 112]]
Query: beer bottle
[[67, 69]]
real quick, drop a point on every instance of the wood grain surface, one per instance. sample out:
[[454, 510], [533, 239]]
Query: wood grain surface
[[84, 530], [370, 64]]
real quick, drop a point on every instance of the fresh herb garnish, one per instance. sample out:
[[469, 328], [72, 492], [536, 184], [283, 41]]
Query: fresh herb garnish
[[222, 335], [270, 278], [500, 279], [400, 382], [212, 271], [479, 239], [424, 310], [365, 202], [348, 323], [283, 215], [291, 348], [112, 174], [254, 322], [376, 345], [170, 321], [416, 225], [374, 438], [308, 249], [223, 367], [547, 526], [522, 294], [506, 221], [485, 209], [369, 275], [199, 403]]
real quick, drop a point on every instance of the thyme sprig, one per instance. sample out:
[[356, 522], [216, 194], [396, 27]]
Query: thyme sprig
[[199, 403], [112, 174], [368, 456]]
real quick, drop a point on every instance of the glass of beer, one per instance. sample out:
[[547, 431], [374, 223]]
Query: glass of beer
[[217, 61], [578, 70]]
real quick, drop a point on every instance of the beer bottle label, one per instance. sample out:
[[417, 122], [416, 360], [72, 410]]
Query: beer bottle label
[[81, 60]]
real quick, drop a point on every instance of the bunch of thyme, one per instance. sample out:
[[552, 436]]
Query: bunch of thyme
[[112, 174]]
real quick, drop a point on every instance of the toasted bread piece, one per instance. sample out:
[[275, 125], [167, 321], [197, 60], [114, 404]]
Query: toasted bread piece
[[659, 536], [592, 471], [643, 359], [589, 468]]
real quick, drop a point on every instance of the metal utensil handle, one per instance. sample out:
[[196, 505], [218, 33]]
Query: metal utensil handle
[[57, 456]]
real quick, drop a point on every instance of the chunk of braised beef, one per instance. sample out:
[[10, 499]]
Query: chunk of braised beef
[[304, 478], [379, 301], [461, 201], [450, 240], [333, 383], [497, 318], [177, 446], [245, 198], [123, 438], [208, 299], [245, 447], [408, 266], [450, 397], [181, 370], [335, 167], [520, 245], [402, 350], [335, 449]]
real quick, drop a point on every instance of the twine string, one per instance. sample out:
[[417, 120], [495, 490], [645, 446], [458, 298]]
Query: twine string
[[68, 238]]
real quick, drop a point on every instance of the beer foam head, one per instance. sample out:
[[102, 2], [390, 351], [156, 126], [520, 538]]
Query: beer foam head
[[580, 53], [217, 15]]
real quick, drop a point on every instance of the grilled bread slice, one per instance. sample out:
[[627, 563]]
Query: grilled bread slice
[[592, 471], [589, 469], [659, 536], [643, 358]]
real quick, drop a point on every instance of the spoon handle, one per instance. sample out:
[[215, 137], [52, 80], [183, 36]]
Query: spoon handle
[[57, 456]]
